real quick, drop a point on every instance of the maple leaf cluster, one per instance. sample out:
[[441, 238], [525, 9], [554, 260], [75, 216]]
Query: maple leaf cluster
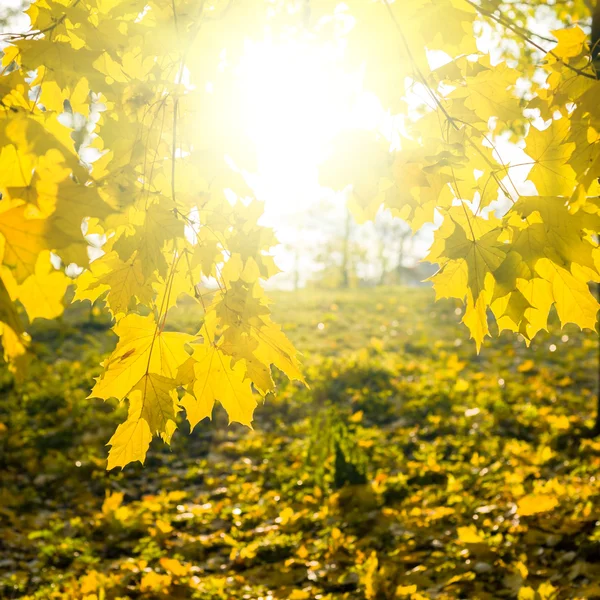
[[498, 248], [151, 195]]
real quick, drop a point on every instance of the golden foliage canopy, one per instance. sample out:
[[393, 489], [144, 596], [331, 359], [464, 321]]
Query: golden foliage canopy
[[153, 81]]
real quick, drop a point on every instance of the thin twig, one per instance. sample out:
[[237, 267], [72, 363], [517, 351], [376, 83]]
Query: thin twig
[[525, 36]]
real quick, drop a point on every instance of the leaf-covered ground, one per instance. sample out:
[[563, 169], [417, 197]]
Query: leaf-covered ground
[[411, 468]]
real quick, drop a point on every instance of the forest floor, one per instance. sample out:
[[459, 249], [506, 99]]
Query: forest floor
[[411, 468]]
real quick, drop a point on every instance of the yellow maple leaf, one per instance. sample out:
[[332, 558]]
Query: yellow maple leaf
[[157, 225], [405, 590], [112, 502], [155, 582], [143, 349], [469, 535], [156, 398], [573, 299], [8, 312], [526, 366], [16, 167], [551, 173], [492, 92], [469, 251], [214, 379], [24, 239], [173, 566], [42, 292], [571, 42], [130, 442], [124, 282], [535, 504]]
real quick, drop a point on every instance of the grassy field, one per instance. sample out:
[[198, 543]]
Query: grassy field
[[411, 468]]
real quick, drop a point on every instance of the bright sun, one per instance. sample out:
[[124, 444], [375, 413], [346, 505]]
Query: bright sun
[[296, 99]]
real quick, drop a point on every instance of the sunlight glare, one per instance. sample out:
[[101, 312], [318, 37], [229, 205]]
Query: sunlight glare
[[296, 98]]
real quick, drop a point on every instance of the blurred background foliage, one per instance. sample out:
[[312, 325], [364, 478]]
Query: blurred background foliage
[[412, 467]]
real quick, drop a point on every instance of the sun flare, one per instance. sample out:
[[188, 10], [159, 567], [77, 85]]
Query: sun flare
[[296, 98]]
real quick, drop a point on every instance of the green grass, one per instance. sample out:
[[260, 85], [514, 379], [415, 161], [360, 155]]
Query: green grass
[[410, 461]]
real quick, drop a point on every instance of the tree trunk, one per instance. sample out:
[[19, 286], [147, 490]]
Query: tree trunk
[[346, 251], [596, 429], [297, 270], [596, 58], [596, 36], [382, 260], [400, 267]]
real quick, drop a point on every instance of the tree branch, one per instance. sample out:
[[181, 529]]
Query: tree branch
[[525, 35]]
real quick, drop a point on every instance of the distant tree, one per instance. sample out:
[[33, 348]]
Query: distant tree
[[393, 240], [8, 15]]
